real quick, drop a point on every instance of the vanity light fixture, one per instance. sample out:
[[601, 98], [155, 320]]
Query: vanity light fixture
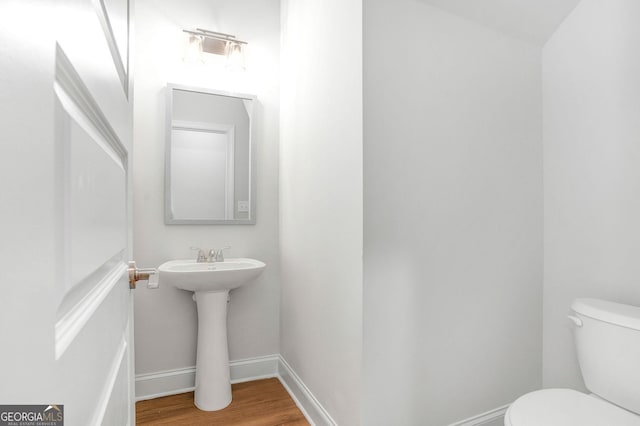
[[204, 41]]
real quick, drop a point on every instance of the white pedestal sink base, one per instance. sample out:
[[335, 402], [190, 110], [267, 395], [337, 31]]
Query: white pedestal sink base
[[213, 380], [211, 283]]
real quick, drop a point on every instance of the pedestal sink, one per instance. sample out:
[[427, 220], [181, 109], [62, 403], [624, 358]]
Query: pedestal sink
[[211, 283]]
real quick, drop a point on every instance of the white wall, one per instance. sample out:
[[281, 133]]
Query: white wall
[[321, 200], [591, 171], [166, 318], [453, 216]]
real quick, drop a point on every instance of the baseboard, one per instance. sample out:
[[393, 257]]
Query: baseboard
[[172, 382], [181, 380], [246, 370], [493, 417], [304, 399]]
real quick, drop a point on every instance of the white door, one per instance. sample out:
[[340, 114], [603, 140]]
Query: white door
[[66, 128]]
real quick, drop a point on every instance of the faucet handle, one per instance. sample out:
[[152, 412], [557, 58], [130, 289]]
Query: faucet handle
[[202, 257], [220, 253], [212, 255]]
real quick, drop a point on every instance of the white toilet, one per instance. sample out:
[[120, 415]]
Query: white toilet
[[607, 338]]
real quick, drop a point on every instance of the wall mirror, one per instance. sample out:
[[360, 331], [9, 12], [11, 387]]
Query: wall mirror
[[209, 165]]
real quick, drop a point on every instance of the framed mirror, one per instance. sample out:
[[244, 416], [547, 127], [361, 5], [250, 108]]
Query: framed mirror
[[209, 164]]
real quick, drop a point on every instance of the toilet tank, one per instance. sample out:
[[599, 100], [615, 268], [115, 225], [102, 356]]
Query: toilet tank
[[607, 337]]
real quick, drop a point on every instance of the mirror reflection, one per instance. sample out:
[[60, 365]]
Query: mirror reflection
[[208, 157]]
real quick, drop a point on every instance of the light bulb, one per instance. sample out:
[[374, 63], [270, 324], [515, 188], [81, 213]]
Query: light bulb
[[193, 52], [235, 56]]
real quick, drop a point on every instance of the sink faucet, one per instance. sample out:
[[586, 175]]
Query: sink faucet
[[213, 256], [219, 254], [202, 257]]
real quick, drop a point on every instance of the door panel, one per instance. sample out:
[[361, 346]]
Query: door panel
[[93, 330], [92, 165], [65, 219], [91, 364], [85, 38], [114, 17]]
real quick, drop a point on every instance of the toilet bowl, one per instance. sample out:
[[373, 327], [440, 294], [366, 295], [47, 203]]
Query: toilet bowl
[[566, 407], [607, 338]]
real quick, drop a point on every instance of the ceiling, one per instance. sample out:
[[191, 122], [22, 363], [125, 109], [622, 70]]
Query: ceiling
[[532, 20]]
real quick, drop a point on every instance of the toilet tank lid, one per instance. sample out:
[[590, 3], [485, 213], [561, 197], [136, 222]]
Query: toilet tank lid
[[611, 312]]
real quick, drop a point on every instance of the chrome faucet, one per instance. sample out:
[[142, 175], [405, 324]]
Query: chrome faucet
[[219, 254], [202, 257], [213, 256]]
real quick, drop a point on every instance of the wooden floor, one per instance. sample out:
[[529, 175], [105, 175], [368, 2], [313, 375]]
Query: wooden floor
[[258, 403]]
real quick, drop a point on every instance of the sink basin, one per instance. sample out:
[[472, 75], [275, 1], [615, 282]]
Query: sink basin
[[219, 276], [211, 283]]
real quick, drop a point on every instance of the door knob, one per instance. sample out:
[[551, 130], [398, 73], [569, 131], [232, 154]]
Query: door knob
[[136, 274]]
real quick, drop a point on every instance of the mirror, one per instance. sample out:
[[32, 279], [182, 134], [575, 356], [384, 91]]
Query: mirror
[[209, 167]]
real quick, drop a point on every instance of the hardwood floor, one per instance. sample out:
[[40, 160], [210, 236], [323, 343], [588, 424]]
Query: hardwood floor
[[257, 403]]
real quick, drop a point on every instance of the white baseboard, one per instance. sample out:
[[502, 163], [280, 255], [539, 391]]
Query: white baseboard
[[164, 383], [172, 382], [493, 417], [181, 380], [304, 399], [246, 370]]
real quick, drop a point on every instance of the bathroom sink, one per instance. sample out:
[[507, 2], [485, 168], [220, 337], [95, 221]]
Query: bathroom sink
[[210, 284], [211, 277]]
